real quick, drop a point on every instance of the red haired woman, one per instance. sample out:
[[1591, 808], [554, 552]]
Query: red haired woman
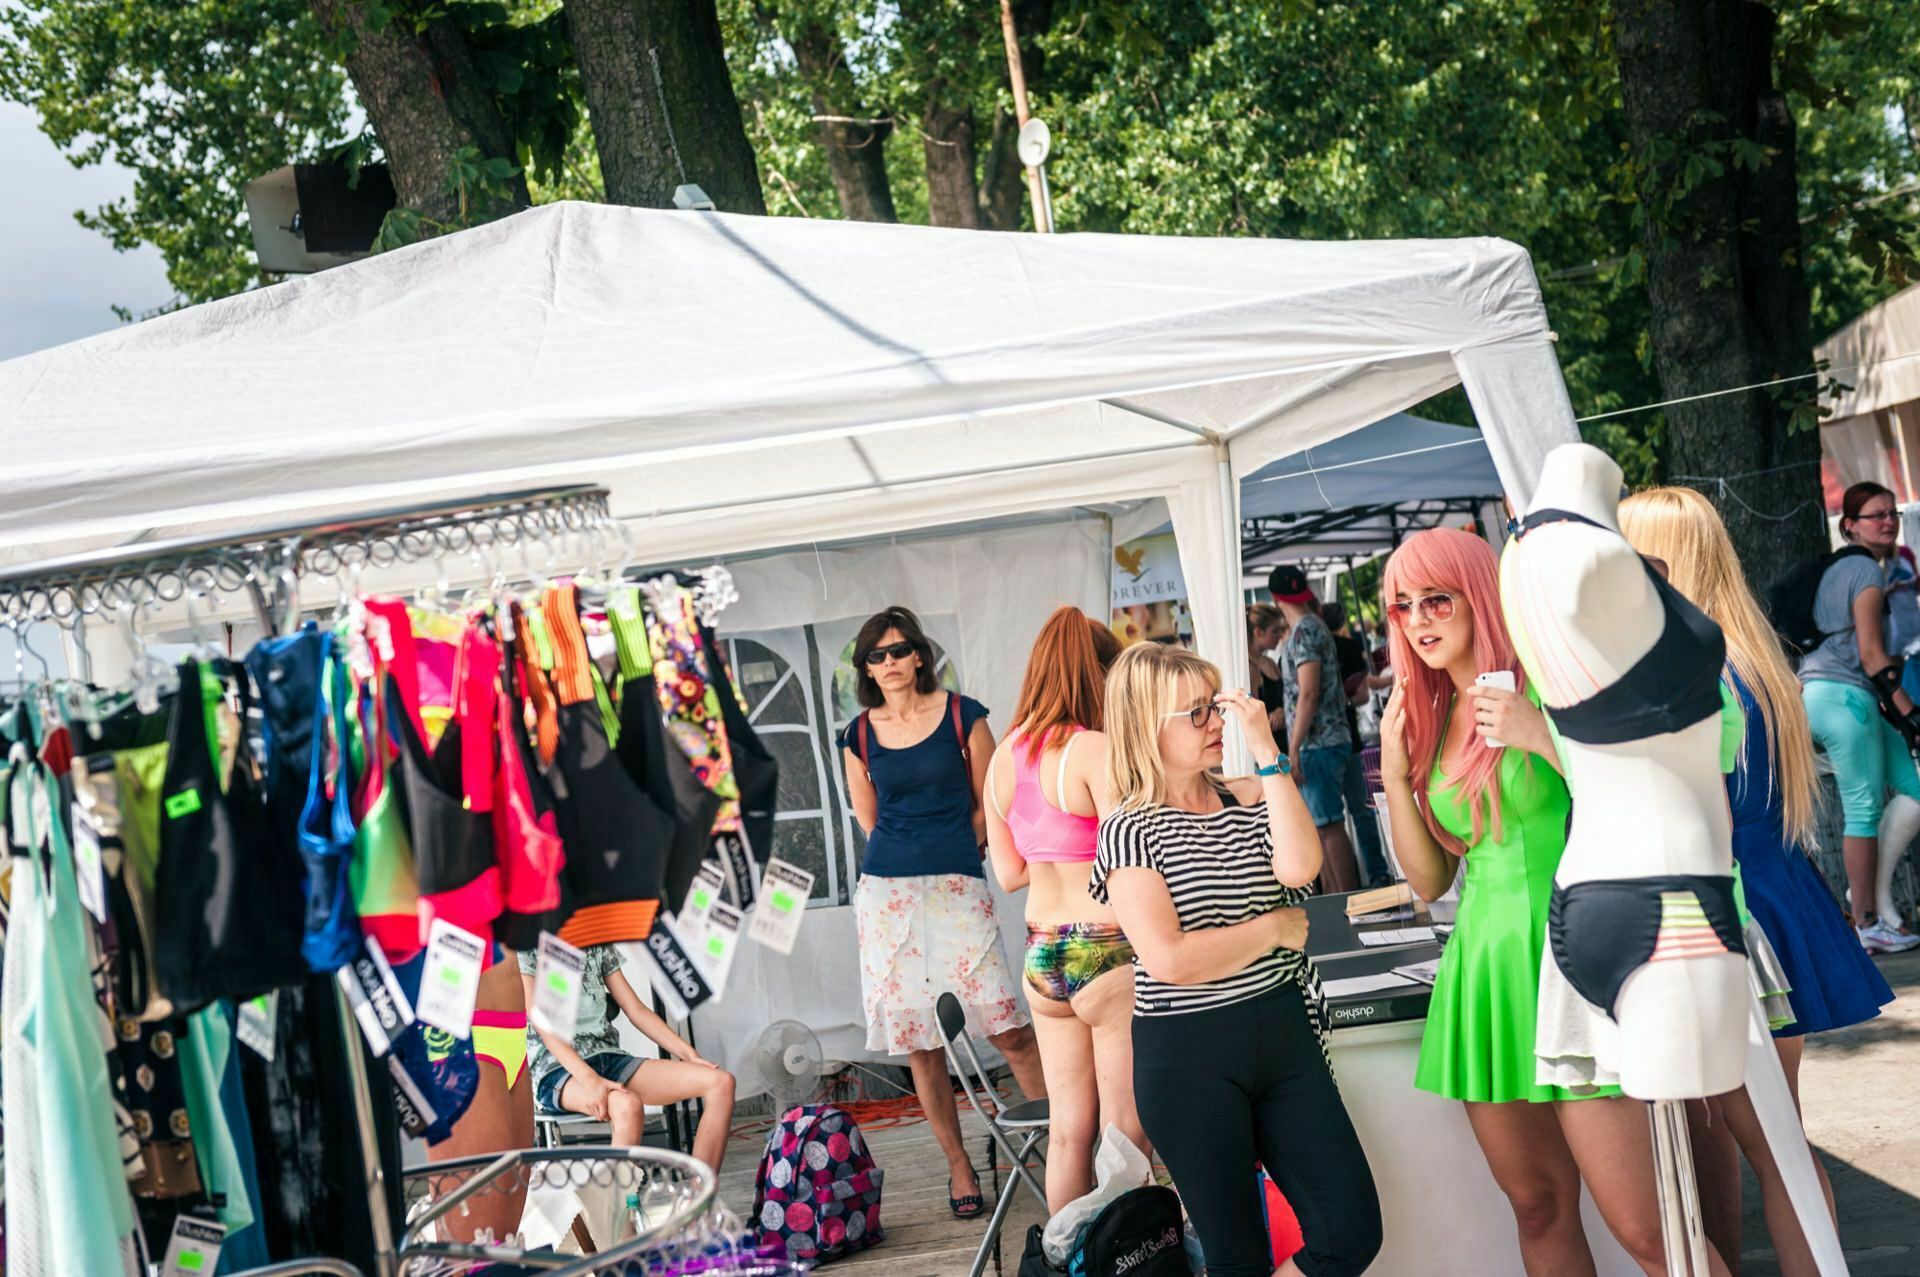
[[1046, 790], [1497, 815]]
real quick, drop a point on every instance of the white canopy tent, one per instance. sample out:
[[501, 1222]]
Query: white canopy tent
[[1874, 430], [744, 383]]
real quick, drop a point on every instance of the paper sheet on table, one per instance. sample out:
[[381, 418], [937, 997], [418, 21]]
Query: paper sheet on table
[[1397, 935], [1424, 972], [1354, 984], [1402, 914]]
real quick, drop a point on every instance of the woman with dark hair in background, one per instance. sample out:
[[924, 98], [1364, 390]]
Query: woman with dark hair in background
[[1837, 683], [916, 757], [1046, 792]]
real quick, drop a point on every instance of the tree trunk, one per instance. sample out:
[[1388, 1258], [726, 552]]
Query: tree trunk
[[1003, 181], [953, 193], [662, 104], [426, 104], [856, 152], [1728, 297]]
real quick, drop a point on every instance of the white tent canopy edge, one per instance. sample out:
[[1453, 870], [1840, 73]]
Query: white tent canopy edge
[[744, 383]]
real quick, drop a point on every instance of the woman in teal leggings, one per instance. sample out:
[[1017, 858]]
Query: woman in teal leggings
[[1869, 756]]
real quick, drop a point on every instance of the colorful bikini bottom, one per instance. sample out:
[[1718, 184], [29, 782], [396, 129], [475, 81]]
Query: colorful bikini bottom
[[1065, 958]]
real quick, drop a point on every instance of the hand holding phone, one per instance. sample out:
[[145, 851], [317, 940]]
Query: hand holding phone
[[1501, 680]]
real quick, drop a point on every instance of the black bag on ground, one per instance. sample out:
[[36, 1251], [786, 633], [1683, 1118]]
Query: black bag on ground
[[1137, 1233], [1790, 602], [1033, 1260]]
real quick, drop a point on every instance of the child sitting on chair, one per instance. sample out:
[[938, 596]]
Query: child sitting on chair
[[592, 1075]]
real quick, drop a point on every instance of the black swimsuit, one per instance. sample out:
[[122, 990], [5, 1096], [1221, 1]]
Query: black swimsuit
[[1603, 930]]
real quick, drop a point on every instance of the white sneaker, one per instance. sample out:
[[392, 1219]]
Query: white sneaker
[[1878, 937]]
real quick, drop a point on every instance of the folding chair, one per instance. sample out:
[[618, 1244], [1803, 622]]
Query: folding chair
[[1028, 1119]]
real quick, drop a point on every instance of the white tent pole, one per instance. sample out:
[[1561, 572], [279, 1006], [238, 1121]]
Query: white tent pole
[[1238, 760]]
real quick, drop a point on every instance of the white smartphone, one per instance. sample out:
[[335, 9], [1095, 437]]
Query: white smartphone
[[1502, 679]]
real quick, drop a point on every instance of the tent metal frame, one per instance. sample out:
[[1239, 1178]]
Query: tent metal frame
[[1345, 526]]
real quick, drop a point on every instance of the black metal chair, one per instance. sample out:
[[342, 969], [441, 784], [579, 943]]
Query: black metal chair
[[1026, 1121]]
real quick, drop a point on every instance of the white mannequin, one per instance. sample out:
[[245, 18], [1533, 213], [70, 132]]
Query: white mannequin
[[1582, 611]]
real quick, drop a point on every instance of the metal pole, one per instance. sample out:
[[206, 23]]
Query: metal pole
[[1017, 77], [385, 1261]]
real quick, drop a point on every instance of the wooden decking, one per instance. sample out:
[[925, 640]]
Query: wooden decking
[[923, 1238]]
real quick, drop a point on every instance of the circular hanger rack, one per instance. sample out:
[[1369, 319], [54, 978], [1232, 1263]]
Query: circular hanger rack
[[267, 565]]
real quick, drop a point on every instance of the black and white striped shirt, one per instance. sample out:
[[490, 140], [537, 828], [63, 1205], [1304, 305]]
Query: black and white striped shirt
[[1218, 868]]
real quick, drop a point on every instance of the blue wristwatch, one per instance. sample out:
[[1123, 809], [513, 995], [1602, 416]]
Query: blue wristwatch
[[1281, 766]]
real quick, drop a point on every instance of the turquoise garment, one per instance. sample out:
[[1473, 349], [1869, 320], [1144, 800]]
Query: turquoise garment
[[204, 1055], [68, 1209]]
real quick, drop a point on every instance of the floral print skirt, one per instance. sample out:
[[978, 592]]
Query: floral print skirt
[[924, 936]]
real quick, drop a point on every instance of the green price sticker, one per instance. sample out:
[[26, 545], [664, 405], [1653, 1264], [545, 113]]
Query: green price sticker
[[558, 983], [783, 901], [184, 803], [192, 1261], [716, 946], [701, 899], [450, 975]]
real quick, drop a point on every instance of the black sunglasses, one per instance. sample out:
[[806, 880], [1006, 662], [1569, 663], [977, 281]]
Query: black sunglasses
[[897, 651]]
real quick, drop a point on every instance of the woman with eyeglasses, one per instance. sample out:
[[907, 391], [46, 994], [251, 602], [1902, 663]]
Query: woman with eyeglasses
[[1497, 815], [1837, 684], [916, 757], [1229, 1026]]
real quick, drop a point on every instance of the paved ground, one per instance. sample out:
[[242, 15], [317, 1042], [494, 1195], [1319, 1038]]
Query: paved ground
[[1860, 1094], [1860, 1089]]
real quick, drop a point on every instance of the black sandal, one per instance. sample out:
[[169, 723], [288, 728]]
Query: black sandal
[[973, 1206]]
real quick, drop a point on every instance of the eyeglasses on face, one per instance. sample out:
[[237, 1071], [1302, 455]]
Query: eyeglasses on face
[[1199, 715], [891, 652], [1876, 516], [1435, 607]]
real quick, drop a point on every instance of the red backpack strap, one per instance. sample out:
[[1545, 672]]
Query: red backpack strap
[[966, 752], [860, 743]]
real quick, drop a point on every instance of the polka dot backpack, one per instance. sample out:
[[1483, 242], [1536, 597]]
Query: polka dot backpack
[[817, 1190]]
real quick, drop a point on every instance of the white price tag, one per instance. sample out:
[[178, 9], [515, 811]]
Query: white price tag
[[706, 889], [784, 891], [86, 864], [194, 1248], [716, 946], [556, 986], [259, 1020], [451, 981], [378, 1001]]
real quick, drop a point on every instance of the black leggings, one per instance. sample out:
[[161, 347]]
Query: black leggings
[[1222, 1089]]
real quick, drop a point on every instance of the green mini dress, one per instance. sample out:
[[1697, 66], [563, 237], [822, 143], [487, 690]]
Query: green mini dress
[[1478, 1043]]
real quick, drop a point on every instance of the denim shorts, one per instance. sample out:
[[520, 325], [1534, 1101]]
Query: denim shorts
[[615, 1066], [1322, 777]]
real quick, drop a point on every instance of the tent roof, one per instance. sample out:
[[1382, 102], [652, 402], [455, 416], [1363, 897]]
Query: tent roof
[[1878, 356], [857, 377]]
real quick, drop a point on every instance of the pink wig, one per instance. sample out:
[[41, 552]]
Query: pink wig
[[1461, 564]]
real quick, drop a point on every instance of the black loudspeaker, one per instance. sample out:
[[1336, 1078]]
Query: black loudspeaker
[[307, 217]]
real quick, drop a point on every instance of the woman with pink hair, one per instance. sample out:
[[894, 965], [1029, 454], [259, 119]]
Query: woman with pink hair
[[1496, 813]]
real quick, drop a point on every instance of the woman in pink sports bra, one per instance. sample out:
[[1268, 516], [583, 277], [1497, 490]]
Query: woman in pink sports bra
[[1046, 789]]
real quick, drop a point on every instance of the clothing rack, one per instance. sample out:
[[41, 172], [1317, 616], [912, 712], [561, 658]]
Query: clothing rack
[[267, 565]]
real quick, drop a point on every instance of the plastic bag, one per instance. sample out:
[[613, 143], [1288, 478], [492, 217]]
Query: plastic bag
[[1118, 1168]]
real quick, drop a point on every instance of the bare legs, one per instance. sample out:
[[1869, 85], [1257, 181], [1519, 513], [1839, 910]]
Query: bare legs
[[1086, 1053], [1716, 1168], [1862, 857], [935, 1089], [1783, 1225], [660, 1083], [1613, 1147], [1338, 869], [1533, 1166]]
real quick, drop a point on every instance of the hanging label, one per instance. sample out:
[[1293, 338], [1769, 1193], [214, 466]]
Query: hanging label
[[409, 1102], [378, 1001], [258, 1023], [784, 892], [451, 982], [194, 1248], [736, 858], [718, 943], [184, 803], [706, 889], [557, 973], [675, 976], [86, 864]]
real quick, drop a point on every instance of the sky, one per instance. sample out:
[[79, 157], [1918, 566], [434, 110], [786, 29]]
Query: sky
[[58, 280]]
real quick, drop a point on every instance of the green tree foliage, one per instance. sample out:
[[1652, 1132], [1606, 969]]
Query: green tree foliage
[[196, 99]]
